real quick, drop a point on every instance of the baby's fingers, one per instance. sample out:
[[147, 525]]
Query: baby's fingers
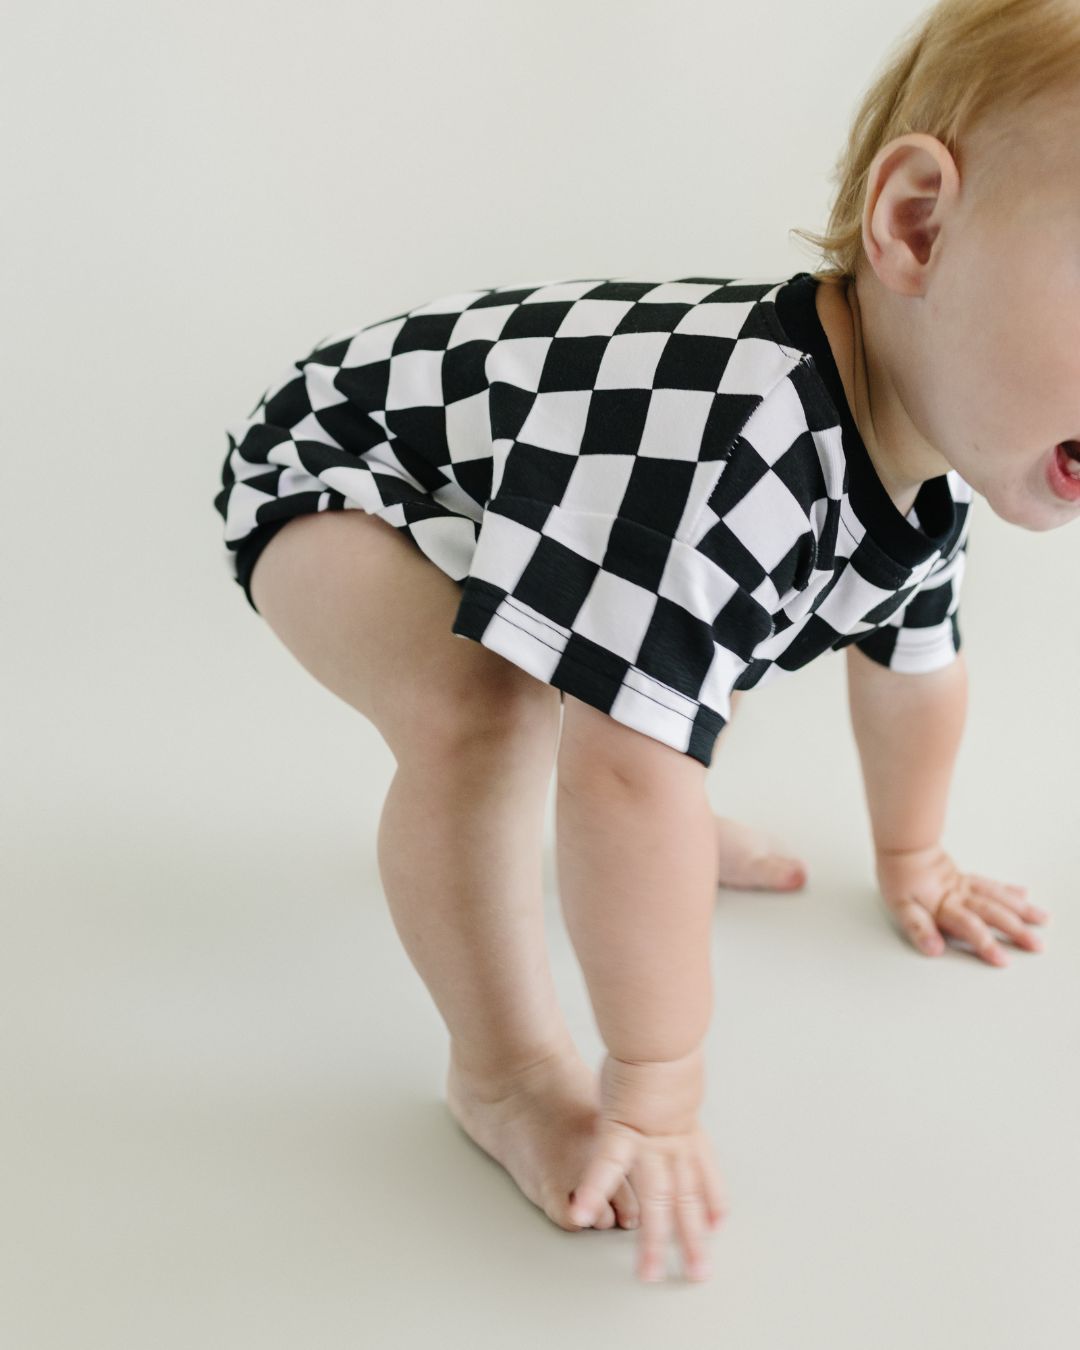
[[1001, 916], [918, 923], [690, 1208], [1015, 897], [613, 1155], [671, 1189], [957, 918], [716, 1202], [655, 1192]]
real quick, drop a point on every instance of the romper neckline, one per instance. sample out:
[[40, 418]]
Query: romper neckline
[[894, 533]]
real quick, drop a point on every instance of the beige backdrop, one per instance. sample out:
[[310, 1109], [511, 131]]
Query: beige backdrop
[[222, 1120]]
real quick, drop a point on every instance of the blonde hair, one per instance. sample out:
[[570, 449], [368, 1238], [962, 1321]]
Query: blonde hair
[[960, 66]]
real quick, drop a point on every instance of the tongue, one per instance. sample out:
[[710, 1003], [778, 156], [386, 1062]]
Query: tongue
[[1072, 463]]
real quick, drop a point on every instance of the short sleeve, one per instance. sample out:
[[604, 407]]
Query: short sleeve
[[924, 634], [641, 625]]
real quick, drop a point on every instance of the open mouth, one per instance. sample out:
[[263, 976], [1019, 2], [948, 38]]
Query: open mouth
[[1071, 457]]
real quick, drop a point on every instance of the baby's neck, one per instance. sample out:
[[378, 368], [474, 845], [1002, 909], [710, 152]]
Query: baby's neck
[[838, 322]]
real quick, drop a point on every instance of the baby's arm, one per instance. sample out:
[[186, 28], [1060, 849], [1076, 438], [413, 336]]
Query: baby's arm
[[637, 879], [908, 729]]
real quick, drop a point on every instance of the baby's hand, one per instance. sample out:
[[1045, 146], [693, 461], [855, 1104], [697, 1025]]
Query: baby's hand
[[649, 1132], [930, 896]]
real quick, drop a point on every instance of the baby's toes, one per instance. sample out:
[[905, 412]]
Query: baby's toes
[[775, 872], [747, 858], [559, 1213], [765, 872]]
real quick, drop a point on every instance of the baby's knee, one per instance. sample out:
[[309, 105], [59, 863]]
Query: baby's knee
[[503, 715]]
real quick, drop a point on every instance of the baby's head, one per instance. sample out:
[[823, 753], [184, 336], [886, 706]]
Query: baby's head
[[957, 224]]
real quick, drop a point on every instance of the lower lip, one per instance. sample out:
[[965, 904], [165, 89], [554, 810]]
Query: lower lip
[[1063, 483]]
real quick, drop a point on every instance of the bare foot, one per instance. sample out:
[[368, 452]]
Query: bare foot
[[538, 1125], [746, 860]]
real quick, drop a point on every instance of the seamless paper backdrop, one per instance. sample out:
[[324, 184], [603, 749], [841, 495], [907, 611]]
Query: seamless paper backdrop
[[223, 1120]]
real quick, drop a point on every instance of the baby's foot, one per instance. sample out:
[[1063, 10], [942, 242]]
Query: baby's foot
[[538, 1125], [746, 860]]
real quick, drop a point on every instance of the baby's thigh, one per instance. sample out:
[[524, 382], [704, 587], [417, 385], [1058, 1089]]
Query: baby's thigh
[[369, 616]]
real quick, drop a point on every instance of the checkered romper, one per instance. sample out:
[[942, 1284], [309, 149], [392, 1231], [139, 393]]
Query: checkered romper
[[650, 492]]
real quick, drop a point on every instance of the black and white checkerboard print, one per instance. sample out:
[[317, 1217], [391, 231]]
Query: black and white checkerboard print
[[635, 482]]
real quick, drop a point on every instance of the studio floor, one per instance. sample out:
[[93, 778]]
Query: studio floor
[[224, 1113]]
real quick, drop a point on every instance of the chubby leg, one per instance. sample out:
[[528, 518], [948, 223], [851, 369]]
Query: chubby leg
[[461, 834]]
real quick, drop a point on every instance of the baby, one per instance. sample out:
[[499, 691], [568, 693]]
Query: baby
[[634, 499]]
